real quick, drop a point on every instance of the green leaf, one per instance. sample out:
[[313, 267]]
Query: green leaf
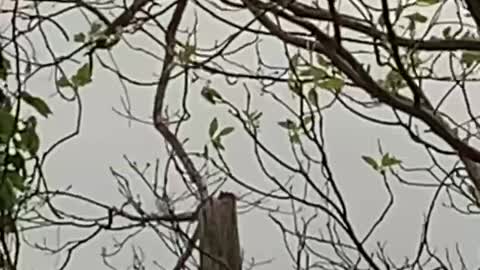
[[211, 95], [469, 58], [226, 131], [394, 81], [106, 43], [31, 122], [305, 72], [186, 54], [30, 141], [213, 127], [7, 195], [2, 158], [417, 17], [321, 61], [7, 223], [80, 37], [335, 84], [370, 161], [388, 161], [294, 60], [295, 138], [254, 118], [95, 28], [294, 86], [7, 122], [37, 103], [315, 72], [83, 76], [287, 124], [18, 161], [218, 144], [17, 180], [63, 82], [427, 2], [307, 119]]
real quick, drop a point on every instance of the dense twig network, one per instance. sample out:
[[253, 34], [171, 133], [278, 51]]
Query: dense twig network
[[382, 61]]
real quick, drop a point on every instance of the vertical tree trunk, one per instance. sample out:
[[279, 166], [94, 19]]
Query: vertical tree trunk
[[219, 240]]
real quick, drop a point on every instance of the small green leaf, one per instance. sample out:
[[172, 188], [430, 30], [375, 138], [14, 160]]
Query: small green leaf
[[294, 86], [287, 124], [83, 76], [294, 60], [295, 138], [469, 58], [31, 122], [394, 81], [315, 72], [321, 61], [226, 131], [80, 37], [95, 28], [18, 161], [307, 119], [37, 103], [63, 82], [305, 72], [30, 141], [370, 161], [417, 17], [335, 84], [7, 195], [388, 161], [186, 54], [7, 122], [2, 158], [211, 95], [253, 118], [213, 127], [218, 144], [17, 180]]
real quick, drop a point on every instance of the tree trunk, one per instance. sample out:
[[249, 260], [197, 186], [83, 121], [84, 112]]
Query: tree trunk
[[219, 240]]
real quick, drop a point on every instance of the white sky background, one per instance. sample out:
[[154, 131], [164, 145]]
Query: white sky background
[[84, 161]]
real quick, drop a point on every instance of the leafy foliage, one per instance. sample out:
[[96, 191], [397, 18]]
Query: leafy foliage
[[217, 136], [211, 95], [320, 75], [186, 54], [37, 103], [26, 143], [13, 170], [387, 161], [82, 77]]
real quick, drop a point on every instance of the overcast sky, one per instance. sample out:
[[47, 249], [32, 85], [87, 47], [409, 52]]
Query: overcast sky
[[105, 137]]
